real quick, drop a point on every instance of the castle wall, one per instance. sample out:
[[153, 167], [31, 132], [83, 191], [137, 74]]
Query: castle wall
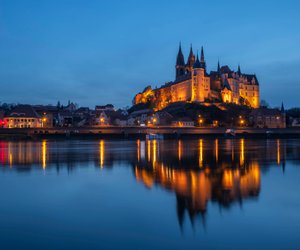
[[250, 93], [182, 91]]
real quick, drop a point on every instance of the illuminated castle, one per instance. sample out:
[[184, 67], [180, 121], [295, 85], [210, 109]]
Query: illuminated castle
[[194, 84]]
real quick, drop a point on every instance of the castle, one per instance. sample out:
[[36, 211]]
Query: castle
[[193, 84]]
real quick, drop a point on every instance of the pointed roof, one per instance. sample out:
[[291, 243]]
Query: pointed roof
[[219, 69], [202, 55], [191, 58], [197, 64], [226, 85], [239, 70], [282, 108], [202, 60], [180, 57], [191, 52]]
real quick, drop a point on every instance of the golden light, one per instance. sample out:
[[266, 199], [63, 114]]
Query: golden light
[[179, 150], [201, 153], [138, 144], [44, 154], [278, 152], [148, 150], [242, 153], [154, 145], [101, 153], [217, 149]]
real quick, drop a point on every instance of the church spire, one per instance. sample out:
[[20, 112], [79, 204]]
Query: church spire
[[180, 57], [180, 65], [239, 70], [197, 62], [219, 69], [202, 60], [191, 60], [202, 55], [282, 108]]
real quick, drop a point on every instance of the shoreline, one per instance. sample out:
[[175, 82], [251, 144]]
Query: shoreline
[[111, 132]]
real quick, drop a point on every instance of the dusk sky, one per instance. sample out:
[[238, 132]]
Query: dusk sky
[[98, 52]]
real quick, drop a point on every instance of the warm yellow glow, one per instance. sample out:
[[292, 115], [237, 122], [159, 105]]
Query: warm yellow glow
[[242, 152], [44, 154], [154, 148], [179, 150], [138, 146], [101, 153], [278, 152], [10, 159], [44, 119], [217, 150], [227, 179], [200, 153]]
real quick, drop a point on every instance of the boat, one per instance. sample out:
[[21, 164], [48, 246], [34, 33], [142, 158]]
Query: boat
[[230, 132], [153, 136]]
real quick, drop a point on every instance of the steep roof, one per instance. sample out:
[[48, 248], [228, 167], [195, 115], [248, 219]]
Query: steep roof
[[180, 57], [250, 77], [197, 64], [226, 85], [23, 111]]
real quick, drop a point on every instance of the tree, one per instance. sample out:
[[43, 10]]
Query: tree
[[264, 104]]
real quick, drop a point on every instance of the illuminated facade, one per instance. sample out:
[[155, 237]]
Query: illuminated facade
[[194, 84], [24, 116]]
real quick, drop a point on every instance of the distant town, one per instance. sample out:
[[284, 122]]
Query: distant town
[[196, 98]]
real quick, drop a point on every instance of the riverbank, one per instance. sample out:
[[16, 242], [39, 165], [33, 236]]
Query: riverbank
[[141, 132]]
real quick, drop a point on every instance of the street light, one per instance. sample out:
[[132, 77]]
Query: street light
[[200, 121], [44, 121], [101, 120]]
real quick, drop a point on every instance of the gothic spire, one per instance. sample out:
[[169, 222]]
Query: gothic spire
[[202, 60], [197, 63], [191, 59], [219, 69], [180, 65], [282, 108], [239, 70], [202, 55], [180, 57]]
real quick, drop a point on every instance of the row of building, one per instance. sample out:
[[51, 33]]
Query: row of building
[[40, 116]]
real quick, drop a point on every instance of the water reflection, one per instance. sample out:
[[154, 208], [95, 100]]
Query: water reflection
[[196, 171]]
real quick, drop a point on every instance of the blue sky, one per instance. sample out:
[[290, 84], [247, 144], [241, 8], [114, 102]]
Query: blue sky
[[97, 52]]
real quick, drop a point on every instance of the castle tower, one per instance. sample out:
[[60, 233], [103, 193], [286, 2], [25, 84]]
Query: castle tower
[[180, 65], [218, 80], [191, 61], [201, 83], [202, 60]]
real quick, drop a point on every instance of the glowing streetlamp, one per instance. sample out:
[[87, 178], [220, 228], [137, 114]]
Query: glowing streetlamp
[[242, 122], [43, 122], [154, 121], [201, 121], [101, 121]]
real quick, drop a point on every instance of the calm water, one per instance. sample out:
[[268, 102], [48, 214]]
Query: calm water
[[206, 193]]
